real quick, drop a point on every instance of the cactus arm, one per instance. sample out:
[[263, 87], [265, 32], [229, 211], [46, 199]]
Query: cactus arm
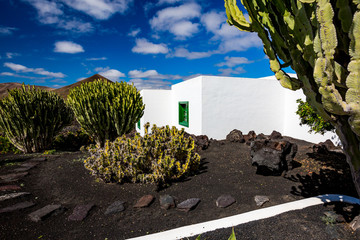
[[353, 79], [236, 17]]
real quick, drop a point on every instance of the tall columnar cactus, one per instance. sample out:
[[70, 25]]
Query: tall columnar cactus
[[31, 118], [106, 110], [320, 40]]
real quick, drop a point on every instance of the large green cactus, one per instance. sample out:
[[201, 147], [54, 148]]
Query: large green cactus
[[31, 118], [320, 40], [106, 110]]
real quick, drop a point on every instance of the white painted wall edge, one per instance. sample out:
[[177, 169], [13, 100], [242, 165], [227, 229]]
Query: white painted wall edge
[[199, 228]]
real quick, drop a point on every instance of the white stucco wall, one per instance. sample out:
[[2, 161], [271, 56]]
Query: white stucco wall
[[218, 105], [157, 108], [190, 91]]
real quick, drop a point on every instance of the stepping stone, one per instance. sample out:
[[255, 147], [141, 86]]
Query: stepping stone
[[115, 207], [9, 188], [144, 201], [38, 159], [45, 212], [355, 223], [80, 212], [224, 201], [166, 202], [261, 200], [188, 204], [23, 169], [12, 195], [12, 177], [17, 206], [29, 164]]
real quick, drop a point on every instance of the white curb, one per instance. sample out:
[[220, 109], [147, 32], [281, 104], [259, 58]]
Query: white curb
[[199, 228]]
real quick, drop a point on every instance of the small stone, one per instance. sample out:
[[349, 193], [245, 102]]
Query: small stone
[[144, 201], [80, 212], [12, 195], [166, 202], [261, 200], [275, 135], [355, 223], [22, 169], [115, 207], [45, 212], [188, 204], [17, 206], [9, 188], [38, 159], [224, 201]]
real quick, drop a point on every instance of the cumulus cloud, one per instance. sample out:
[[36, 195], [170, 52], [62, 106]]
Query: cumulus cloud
[[97, 59], [145, 47], [184, 53], [7, 30], [68, 47], [112, 74], [234, 61], [230, 38], [99, 9], [162, 2], [40, 71], [134, 32], [177, 20]]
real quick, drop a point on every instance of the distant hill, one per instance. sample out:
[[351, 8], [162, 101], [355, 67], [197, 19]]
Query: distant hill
[[64, 91], [4, 87]]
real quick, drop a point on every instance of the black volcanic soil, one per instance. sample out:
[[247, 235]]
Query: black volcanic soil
[[226, 169]]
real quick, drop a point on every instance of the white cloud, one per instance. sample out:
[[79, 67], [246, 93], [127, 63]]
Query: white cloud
[[134, 32], [99, 9], [97, 59], [112, 74], [145, 47], [184, 53], [7, 30], [11, 55], [151, 74], [230, 71], [150, 84], [52, 13], [242, 43], [234, 61], [177, 20], [68, 47], [40, 71]]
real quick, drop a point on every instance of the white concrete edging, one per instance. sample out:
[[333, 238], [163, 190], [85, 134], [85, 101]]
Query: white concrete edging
[[199, 228]]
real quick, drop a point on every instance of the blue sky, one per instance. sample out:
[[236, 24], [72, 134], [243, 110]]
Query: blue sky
[[151, 43]]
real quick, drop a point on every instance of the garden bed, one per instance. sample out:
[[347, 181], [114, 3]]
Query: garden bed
[[225, 169]]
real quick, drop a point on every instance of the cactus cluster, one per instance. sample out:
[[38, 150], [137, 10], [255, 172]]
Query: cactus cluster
[[320, 40], [31, 118], [106, 110], [159, 157]]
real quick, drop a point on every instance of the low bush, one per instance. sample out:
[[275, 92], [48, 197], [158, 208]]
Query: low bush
[[309, 117], [159, 157]]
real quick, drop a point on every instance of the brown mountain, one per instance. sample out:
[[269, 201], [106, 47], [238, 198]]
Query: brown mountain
[[4, 87], [64, 91]]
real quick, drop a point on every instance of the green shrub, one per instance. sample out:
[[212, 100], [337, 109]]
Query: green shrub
[[159, 157], [6, 146], [30, 118], [106, 110], [309, 117], [72, 141]]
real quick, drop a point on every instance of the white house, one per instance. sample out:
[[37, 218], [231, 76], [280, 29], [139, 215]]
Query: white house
[[214, 106]]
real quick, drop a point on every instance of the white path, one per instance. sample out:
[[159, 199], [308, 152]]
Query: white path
[[263, 213]]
